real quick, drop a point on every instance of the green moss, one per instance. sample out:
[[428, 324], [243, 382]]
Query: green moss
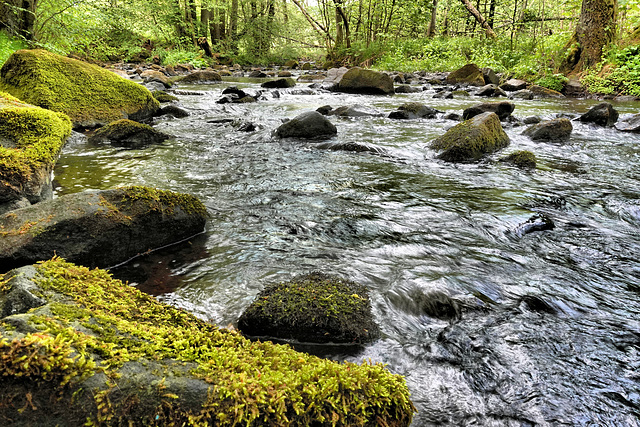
[[85, 92], [165, 200], [162, 96], [251, 383], [37, 136], [522, 159]]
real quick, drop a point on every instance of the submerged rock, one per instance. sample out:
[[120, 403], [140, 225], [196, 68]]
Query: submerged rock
[[350, 111], [368, 82], [312, 308], [470, 74], [80, 347], [522, 159], [550, 130], [99, 229], [544, 92], [602, 114], [472, 139], [538, 222], [307, 125], [413, 110], [30, 140], [503, 109], [127, 133], [435, 304], [89, 95]]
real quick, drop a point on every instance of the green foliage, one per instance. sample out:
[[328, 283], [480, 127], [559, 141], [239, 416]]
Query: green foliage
[[181, 55], [554, 81], [8, 45], [619, 73]]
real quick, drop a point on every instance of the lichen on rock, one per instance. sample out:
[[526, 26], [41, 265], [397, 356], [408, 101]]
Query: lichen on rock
[[88, 94], [99, 352]]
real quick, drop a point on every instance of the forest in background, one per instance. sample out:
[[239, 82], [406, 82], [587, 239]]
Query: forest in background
[[539, 40]]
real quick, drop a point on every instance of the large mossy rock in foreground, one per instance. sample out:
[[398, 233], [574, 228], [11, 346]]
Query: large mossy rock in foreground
[[367, 82], [312, 308], [79, 347], [472, 139], [99, 229], [30, 141], [88, 94]]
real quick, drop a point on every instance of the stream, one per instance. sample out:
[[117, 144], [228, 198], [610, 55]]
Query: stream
[[550, 327]]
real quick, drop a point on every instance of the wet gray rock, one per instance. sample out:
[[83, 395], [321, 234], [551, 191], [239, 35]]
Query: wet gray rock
[[413, 110], [503, 109], [538, 222], [310, 125], [550, 130], [173, 110], [629, 124], [334, 75], [408, 89], [522, 94], [283, 83], [513, 85], [602, 114], [490, 76], [470, 74], [491, 90]]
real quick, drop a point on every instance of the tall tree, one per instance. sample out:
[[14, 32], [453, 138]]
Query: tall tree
[[18, 16], [596, 28]]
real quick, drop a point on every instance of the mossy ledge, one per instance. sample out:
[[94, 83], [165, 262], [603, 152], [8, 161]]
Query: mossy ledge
[[99, 352], [30, 140], [88, 94]]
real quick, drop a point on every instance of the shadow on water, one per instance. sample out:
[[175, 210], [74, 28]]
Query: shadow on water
[[495, 317]]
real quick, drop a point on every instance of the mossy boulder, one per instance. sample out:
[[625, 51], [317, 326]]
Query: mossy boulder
[[550, 130], [368, 82], [470, 74], [545, 92], [309, 125], [30, 140], [503, 109], [312, 308], [522, 159], [201, 76], [89, 95], [127, 133], [163, 96], [283, 83], [472, 139], [80, 347], [99, 228]]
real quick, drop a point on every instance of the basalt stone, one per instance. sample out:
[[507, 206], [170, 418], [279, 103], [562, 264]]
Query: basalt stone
[[283, 83], [312, 308], [413, 110], [127, 133], [469, 74], [550, 130], [629, 124], [99, 229], [472, 139], [309, 125], [503, 109], [602, 114], [368, 82], [513, 85]]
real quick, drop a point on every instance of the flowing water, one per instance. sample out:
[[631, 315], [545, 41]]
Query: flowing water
[[549, 332]]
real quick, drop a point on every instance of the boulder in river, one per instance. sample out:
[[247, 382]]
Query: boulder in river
[[201, 76], [310, 124], [513, 85], [408, 89], [413, 110], [491, 90], [602, 114], [368, 82], [30, 140], [173, 110], [283, 83], [472, 139], [503, 109], [522, 159], [127, 133], [80, 347], [629, 124], [545, 92], [470, 74], [435, 304], [155, 76], [550, 130], [99, 228], [89, 95], [312, 308]]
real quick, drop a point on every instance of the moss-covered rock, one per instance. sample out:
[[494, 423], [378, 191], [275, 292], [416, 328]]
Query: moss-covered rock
[[368, 82], [283, 83], [472, 139], [469, 74], [550, 130], [522, 159], [310, 125], [30, 141], [127, 133], [94, 350], [201, 76], [545, 92], [312, 308], [99, 228], [163, 96], [88, 94]]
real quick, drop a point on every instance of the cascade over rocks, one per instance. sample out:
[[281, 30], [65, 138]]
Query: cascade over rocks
[[503, 109], [81, 347], [469, 74], [367, 82], [310, 124], [472, 139], [91, 96], [602, 114], [350, 111], [550, 130], [99, 228], [312, 308]]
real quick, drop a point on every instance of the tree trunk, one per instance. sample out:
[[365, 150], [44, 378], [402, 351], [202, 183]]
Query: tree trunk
[[596, 28], [233, 26], [204, 23], [18, 17], [431, 30], [473, 11]]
